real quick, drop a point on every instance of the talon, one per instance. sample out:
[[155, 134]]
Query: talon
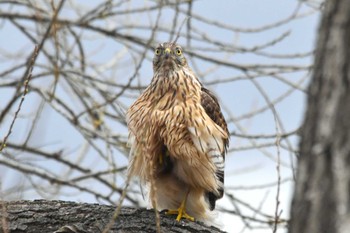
[[181, 212]]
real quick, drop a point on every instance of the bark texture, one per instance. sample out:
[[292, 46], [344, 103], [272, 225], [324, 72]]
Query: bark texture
[[68, 217], [321, 202]]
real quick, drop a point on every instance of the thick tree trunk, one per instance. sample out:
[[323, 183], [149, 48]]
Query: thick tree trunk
[[68, 217], [321, 201]]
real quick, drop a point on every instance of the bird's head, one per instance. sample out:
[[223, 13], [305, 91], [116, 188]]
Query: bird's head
[[168, 56]]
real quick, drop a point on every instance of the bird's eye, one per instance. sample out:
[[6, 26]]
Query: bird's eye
[[178, 52], [157, 52]]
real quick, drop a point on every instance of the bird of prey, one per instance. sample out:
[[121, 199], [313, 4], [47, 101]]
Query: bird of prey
[[178, 138]]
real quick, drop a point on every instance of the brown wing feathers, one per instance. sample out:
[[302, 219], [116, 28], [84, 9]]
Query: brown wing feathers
[[212, 108]]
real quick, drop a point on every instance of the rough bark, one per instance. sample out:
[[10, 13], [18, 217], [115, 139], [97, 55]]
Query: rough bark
[[52, 216], [321, 202]]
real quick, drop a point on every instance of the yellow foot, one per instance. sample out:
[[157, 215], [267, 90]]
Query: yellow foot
[[181, 213]]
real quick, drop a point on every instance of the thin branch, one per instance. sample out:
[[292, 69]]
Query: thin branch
[[26, 89]]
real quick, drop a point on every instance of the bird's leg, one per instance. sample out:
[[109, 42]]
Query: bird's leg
[[160, 159], [162, 155], [181, 211]]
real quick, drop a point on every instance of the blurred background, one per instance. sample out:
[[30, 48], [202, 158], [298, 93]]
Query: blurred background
[[66, 137]]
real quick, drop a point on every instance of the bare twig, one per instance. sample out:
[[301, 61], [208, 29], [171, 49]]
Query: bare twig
[[25, 92]]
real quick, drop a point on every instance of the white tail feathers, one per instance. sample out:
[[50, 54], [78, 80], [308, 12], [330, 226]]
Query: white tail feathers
[[217, 159]]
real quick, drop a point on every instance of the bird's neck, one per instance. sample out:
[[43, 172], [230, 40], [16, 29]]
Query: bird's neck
[[182, 82]]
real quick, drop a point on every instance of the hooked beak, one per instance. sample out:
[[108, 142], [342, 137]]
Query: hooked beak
[[167, 52]]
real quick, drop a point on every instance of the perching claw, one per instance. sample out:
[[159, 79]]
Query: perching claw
[[181, 211]]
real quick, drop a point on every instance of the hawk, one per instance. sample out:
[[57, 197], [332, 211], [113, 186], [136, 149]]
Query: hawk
[[178, 138]]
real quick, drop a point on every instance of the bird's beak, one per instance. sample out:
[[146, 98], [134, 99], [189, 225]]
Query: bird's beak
[[167, 52]]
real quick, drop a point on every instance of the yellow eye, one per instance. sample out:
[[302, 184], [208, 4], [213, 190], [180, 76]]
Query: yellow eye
[[157, 52], [178, 52]]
